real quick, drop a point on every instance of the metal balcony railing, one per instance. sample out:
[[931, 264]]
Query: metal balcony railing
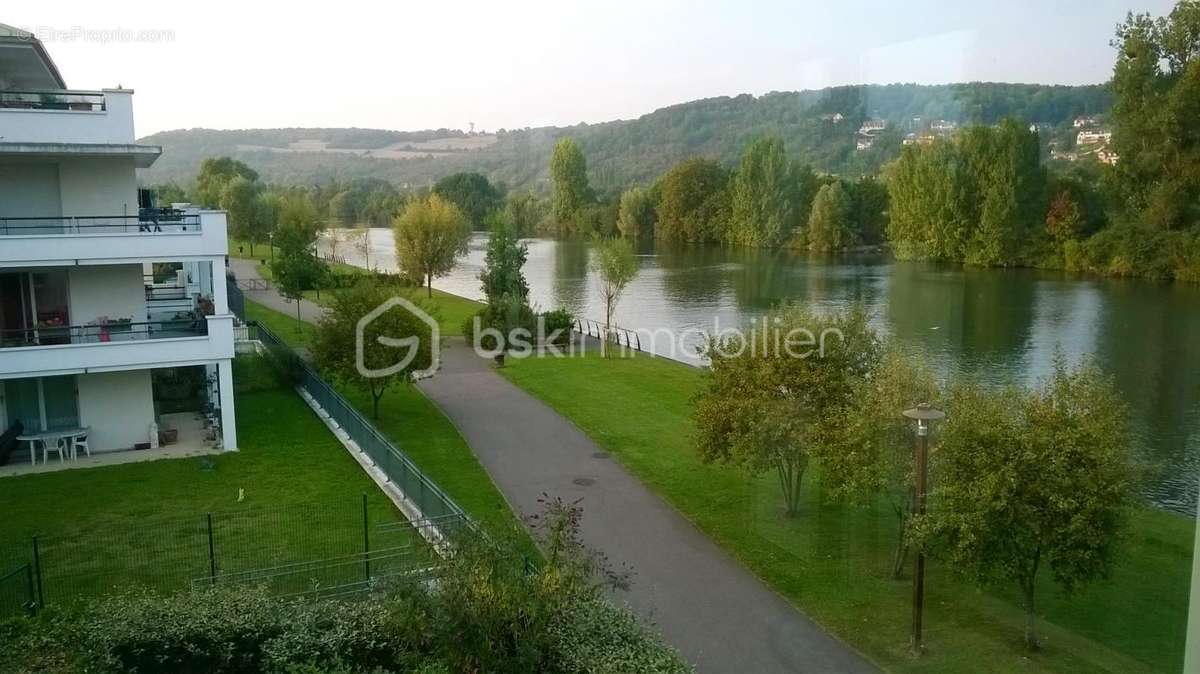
[[75, 101], [111, 332], [145, 223]]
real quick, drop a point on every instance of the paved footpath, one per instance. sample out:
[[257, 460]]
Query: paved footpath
[[707, 605], [719, 616]]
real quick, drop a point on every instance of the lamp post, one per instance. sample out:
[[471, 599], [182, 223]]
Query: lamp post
[[924, 414]]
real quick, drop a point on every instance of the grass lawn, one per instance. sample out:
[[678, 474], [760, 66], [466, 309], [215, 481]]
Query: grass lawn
[[451, 311], [421, 431], [292, 493], [833, 560]]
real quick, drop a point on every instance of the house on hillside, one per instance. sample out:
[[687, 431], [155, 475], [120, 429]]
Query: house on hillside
[[1091, 137], [1106, 156], [115, 327], [872, 126], [836, 117], [942, 126], [1042, 128], [1085, 122]]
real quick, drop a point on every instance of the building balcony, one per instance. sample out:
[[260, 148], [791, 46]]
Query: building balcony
[[68, 117], [46, 241], [48, 350]]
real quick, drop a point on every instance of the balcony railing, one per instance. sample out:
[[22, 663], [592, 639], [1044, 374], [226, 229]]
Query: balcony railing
[[74, 101], [52, 335], [145, 223]]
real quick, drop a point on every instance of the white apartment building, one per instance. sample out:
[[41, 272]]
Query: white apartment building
[[114, 320]]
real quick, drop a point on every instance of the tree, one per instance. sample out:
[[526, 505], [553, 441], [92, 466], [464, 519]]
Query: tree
[[334, 346], [501, 276], [296, 268], [1027, 479], [431, 234], [615, 266], [636, 216], [239, 198], [769, 196], [782, 393], [472, 193], [694, 202], [524, 211], [1156, 88], [870, 207], [829, 224], [1063, 218], [568, 174], [215, 172], [361, 240], [877, 457]]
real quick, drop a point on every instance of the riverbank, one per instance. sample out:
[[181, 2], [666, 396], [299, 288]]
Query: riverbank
[[832, 561]]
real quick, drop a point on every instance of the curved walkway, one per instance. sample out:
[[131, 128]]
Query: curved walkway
[[707, 605], [719, 616]]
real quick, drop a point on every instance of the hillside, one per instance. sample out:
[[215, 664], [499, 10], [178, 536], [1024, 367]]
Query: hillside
[[627, 151]]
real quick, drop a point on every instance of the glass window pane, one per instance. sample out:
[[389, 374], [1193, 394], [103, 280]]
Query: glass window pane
[[21, 403], [62, 407]]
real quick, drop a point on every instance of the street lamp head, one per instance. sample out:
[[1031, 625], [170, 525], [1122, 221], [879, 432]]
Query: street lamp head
[[924, 414]]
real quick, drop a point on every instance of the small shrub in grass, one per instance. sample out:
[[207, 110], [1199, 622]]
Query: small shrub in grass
[[559, 319], [597, 637]]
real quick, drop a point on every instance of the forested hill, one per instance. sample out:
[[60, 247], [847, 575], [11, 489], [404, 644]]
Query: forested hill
[[623, 152]]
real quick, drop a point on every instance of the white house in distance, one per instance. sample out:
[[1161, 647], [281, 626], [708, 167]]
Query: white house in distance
[[115, 329]]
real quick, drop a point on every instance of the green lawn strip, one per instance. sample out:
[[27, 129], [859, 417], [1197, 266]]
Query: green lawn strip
[[833, 560], [451, 311], [291, 494], [421, 431]]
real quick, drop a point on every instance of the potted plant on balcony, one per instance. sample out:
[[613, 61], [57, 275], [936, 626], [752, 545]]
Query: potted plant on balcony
[[106, 327], [207, 308]]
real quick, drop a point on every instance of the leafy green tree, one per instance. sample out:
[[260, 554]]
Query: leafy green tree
[[829, 224], [693, 205], [769, 195], [1156, 88], [1064, 221], [874, 458], [524, 212], [636, 218], [215, 173], [334, 348], [168, 193], [1031, 479], [296, 267], [568, 174], [239, 198], [472, 193], [869, 197], [502, 276], [616, 266], [776, 399], [431, 234]]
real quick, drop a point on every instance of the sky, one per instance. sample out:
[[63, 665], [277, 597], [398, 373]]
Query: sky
[[415, 65]]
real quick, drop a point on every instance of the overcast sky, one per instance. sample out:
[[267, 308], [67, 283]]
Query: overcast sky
[[414, 65]]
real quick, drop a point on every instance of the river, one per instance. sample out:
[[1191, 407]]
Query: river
[[995, 325]]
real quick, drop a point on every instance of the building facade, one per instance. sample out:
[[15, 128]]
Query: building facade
[[114, 318]]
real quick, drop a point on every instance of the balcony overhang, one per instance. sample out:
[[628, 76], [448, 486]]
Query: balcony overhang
[[24, 63], [143, 155]]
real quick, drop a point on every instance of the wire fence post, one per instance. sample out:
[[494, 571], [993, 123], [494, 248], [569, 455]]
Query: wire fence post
[[212, 553], [37, 570], [366, 541], [30, 605]]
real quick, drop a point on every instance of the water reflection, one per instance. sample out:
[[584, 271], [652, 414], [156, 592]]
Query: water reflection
[[996, 325]]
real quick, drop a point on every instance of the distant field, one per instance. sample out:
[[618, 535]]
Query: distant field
[[401, 150]]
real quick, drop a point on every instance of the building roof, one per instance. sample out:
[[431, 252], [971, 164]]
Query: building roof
[[25, 64]]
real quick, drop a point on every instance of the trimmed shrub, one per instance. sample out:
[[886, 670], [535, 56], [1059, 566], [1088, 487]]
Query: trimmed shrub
[[559, 319]]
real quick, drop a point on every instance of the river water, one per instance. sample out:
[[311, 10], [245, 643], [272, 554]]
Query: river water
[[995, 325]]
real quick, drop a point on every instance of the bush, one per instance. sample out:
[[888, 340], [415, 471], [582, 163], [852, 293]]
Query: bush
[[489, 610], [559, 319]]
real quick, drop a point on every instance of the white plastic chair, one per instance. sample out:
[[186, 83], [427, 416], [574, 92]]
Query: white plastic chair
[[79, 442], [60, 447]]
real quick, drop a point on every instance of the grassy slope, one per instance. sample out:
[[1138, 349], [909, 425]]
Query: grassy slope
[[832, 561], [421, 431], [148, 518]]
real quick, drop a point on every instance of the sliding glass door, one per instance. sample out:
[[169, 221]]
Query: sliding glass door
[[41, 404]]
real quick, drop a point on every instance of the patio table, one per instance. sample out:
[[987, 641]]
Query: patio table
[[54, 434]]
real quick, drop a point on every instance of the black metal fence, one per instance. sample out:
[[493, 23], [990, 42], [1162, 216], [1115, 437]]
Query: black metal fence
[[236, 298], [318, 549]]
